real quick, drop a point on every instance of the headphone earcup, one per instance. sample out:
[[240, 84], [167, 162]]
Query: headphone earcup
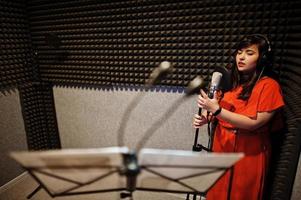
[[264, 59]]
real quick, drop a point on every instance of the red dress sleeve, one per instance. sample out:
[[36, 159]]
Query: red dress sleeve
[[266, 96]]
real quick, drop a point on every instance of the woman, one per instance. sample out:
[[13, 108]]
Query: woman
[[245, 117]]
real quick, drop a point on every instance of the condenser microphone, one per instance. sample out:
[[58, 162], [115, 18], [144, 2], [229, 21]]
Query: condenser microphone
[[215, 82], [159, 73], [194, 86]]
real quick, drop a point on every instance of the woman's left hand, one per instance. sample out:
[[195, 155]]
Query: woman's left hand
[[206, 103]]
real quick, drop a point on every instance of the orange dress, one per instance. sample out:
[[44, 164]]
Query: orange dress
[[249, 173]]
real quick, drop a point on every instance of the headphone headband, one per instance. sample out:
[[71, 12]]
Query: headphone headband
[[266, 39]]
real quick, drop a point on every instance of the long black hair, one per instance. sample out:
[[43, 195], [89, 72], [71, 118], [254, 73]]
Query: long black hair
[[263, 67]]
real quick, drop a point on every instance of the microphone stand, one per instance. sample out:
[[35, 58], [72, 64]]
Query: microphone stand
[[126, 117], [158, 73], [198, 147]]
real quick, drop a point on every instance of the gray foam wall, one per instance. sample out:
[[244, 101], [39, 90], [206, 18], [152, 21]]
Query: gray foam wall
[[297, 185], [13, 136], [91, 118]]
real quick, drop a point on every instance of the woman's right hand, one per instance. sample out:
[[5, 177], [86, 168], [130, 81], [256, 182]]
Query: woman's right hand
[[199, 121]]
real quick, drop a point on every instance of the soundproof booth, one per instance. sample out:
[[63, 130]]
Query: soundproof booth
[[142, 99]]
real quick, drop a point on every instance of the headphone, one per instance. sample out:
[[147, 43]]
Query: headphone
[[266, 55]]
